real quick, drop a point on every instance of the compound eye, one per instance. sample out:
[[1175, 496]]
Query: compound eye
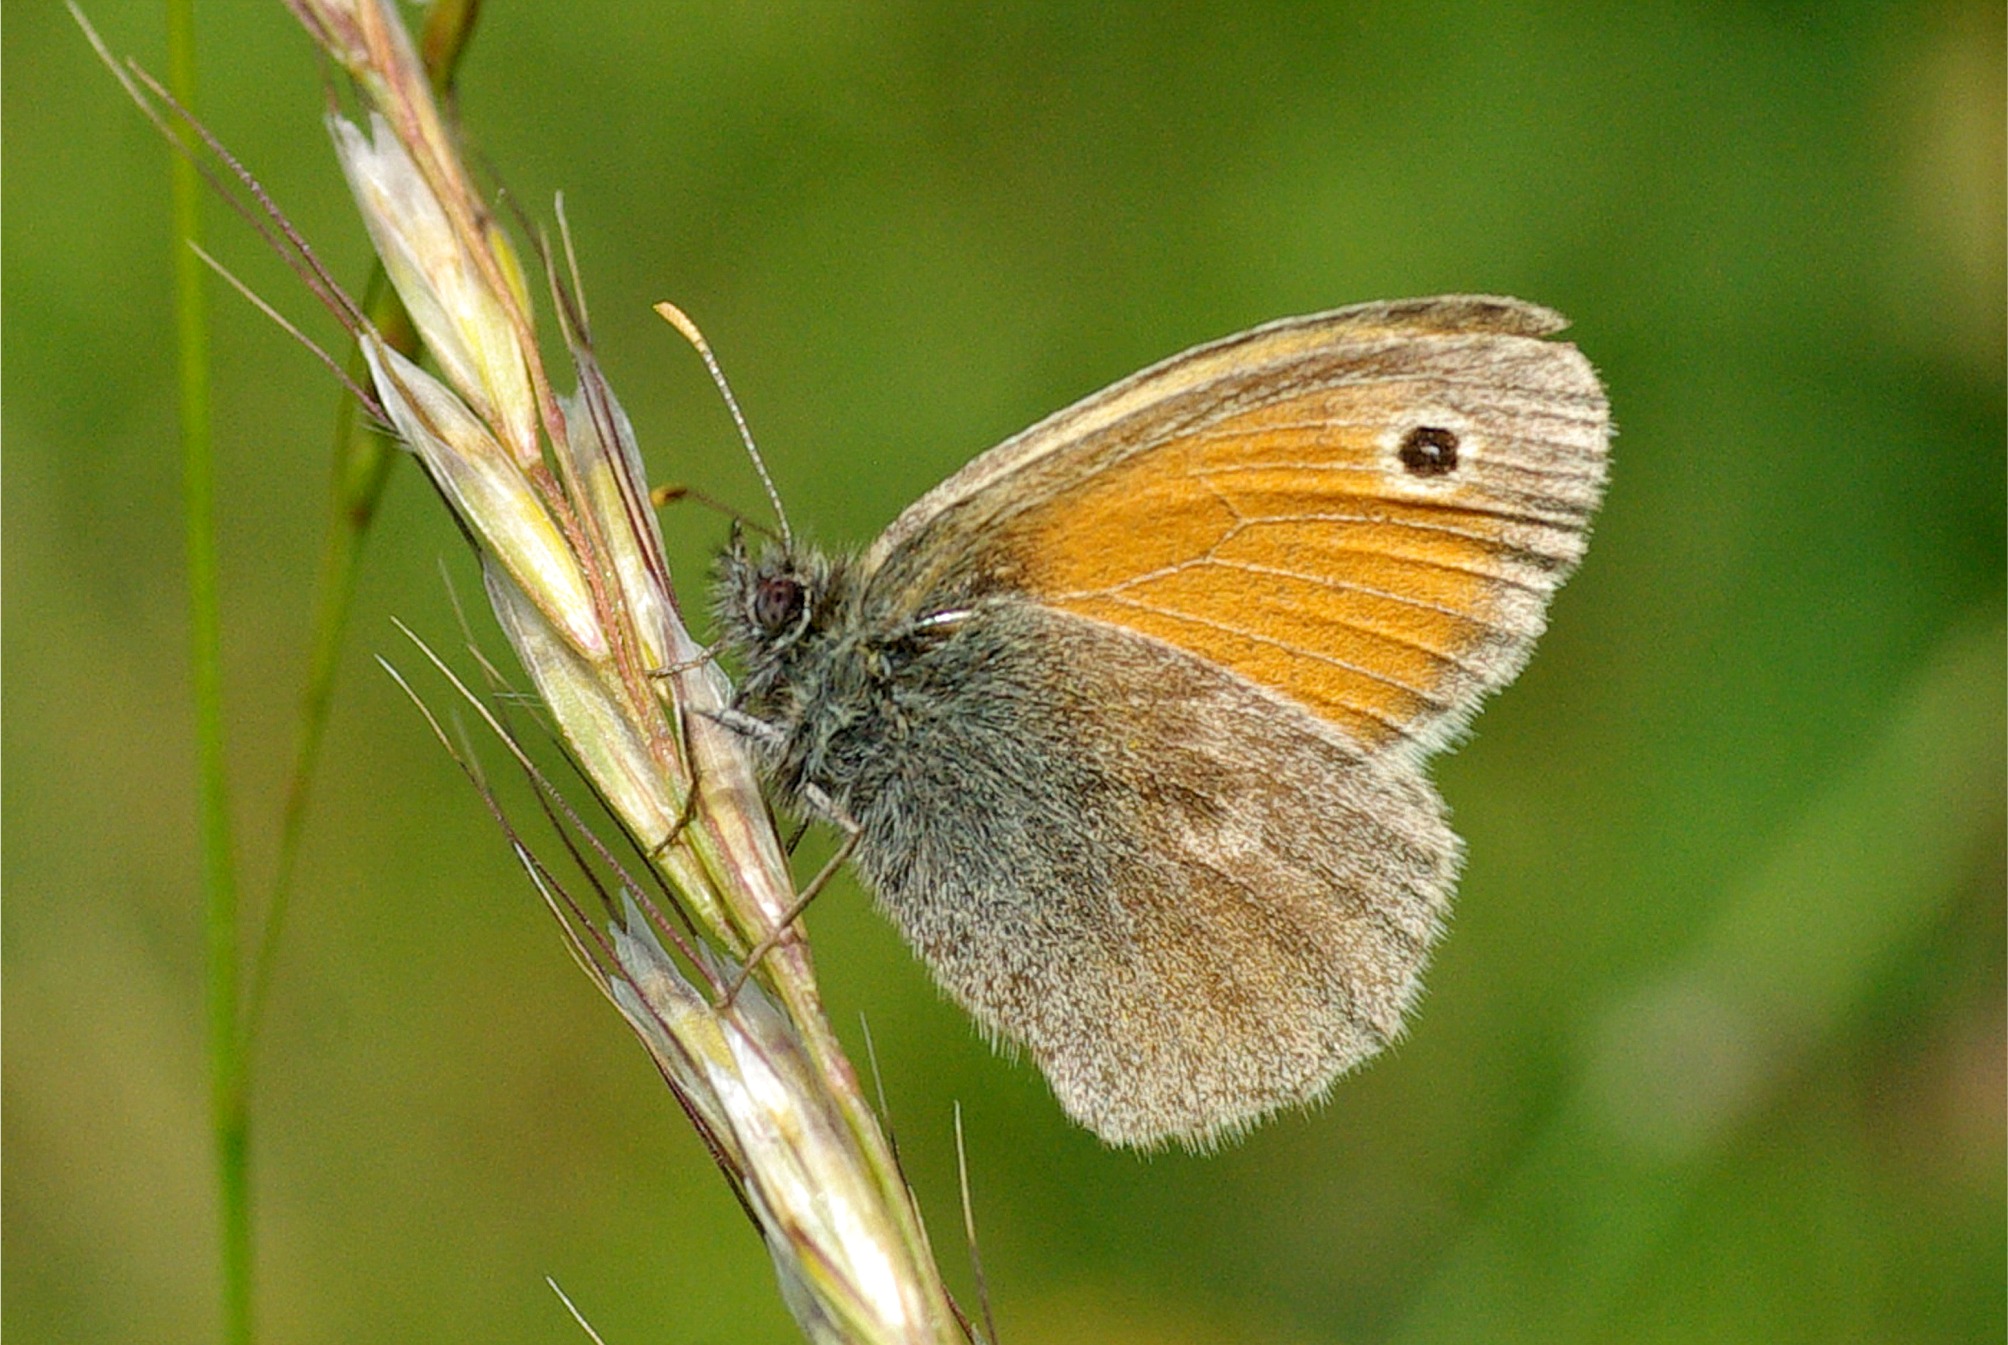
[[777, 602]]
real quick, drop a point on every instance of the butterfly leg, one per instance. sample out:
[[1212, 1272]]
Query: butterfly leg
[[795, 837], [785, 926], [689, 809], [697, 660], [747, 726], [683, 817]]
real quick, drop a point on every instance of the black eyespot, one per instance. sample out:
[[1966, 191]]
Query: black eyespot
[[1429, 450], [777, 602]]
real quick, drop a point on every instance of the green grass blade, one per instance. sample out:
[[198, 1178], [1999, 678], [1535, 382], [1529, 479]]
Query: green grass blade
[[363, 459], [229, 1121]]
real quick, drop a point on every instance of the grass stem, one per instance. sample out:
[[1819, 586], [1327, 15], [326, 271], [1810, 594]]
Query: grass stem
[[229, 1117]]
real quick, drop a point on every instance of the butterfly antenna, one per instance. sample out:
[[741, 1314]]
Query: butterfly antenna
[[680, 320]]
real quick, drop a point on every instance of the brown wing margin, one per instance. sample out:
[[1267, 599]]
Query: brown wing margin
[[1248, 501]]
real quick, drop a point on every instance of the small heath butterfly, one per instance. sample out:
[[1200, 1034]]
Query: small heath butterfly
[[1127, 720]]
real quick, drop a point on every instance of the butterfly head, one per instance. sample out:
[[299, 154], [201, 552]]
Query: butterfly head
[[772, 608], [781, 615], [767, 602]]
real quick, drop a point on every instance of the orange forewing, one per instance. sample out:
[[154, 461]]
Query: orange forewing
[[1286, 544]]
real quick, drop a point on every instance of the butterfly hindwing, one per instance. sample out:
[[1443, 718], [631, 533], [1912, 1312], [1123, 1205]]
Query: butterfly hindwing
[[1190, 902]]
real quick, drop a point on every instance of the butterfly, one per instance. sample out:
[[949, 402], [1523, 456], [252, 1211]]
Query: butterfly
[[1126, 722]]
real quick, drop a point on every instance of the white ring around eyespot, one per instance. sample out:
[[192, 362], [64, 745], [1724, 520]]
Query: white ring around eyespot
[[1469, 449]]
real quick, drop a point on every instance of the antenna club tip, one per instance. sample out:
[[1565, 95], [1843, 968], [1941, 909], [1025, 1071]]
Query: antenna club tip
[[680, 320]]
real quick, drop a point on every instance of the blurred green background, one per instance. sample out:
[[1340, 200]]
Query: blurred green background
[[1715, 1050]]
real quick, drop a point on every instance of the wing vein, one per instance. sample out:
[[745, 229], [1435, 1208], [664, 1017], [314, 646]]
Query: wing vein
[[1322, 581], [1479, 486], [1428, 650], [1509, 462], [1489, 542], [1257, 638], [1495, 389]]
